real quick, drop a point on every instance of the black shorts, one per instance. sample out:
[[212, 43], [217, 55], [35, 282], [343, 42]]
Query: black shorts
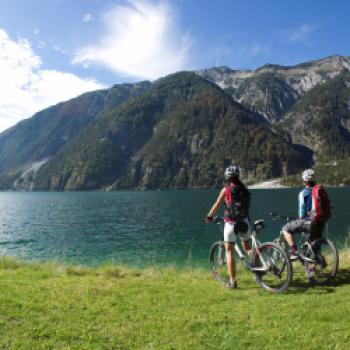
[[314, 229]]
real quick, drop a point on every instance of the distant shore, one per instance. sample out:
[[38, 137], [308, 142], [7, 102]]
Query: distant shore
[[275, 183]]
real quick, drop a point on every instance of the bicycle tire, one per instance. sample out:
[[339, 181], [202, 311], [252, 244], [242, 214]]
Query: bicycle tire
[[281, 242], [279, 271], [217, 259], [323, 262]]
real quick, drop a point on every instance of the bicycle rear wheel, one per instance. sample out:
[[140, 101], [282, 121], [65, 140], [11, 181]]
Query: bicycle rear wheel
[[218, 262], [276, 269], [322, 261]]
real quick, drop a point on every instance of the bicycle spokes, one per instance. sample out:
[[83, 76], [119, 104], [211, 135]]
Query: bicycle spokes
[[321, 261], [276, 269], [218, 262]]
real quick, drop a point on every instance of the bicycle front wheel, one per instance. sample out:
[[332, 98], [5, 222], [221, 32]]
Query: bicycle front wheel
[[281, 242], [321, 263], [273, 270], [218, 262]]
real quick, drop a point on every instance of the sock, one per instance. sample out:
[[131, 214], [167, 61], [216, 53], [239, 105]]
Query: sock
[[293, 248]]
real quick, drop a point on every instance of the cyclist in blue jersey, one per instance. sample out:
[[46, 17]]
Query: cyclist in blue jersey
[[306, 211]]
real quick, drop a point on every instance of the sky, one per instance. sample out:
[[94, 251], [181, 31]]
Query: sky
[[54, 50]]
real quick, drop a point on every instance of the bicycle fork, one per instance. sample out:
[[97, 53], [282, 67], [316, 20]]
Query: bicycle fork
[[250, 266]]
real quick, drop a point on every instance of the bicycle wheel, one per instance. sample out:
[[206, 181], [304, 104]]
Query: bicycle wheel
[[321, 263], [280, 241], [276, 269], [218, 262]]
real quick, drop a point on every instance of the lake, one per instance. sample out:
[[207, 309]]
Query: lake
[[136, 228]]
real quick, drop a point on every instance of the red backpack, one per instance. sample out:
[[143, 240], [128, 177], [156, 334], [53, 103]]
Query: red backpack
[[321, 204]]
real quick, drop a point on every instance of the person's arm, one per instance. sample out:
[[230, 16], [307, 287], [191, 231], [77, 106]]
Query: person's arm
[[217, 204]]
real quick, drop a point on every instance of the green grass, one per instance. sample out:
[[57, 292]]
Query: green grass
[[49, 306]]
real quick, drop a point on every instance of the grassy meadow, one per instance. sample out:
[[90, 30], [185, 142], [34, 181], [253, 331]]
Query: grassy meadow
[[51, 306]]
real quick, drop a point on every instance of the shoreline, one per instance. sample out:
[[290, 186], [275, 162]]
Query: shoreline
[[269, 184]]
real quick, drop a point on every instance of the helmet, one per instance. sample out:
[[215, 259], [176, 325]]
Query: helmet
[[308, 175], [232, 171]]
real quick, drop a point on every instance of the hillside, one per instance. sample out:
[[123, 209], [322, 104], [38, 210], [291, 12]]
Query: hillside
[[267, 94], [42, 136], [273, 89], [321, 119], [180, 133], [336, 173]]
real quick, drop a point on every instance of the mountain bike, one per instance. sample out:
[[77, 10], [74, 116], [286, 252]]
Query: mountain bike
[[268, 262], [320, 257]]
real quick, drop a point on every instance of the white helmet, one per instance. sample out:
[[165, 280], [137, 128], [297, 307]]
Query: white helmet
[[308, 175], [232, 171]]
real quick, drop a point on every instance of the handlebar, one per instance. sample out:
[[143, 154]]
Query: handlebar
[[215, 219], [218, 219], [276, 216]]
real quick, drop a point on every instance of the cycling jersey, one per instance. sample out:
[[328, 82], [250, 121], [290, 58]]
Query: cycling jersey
[[237, 202], [305, 203]]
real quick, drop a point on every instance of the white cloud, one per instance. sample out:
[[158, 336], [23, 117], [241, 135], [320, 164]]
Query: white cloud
[[88, 17], [302, 33], [25, 88], [141, 40], [58, 49]]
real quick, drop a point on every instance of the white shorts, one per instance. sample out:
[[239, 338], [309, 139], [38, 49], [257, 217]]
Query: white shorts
[[229, 234]]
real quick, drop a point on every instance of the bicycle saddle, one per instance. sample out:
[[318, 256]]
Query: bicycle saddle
[[259, 225]]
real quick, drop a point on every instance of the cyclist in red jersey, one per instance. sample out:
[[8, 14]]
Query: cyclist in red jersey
[[236, 198]]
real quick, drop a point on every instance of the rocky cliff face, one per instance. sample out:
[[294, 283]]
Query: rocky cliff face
[[266, 94], [272, 89], [225, 77], [321, 119]]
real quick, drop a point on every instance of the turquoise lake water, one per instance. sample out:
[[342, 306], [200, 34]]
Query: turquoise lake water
[[136, 228]]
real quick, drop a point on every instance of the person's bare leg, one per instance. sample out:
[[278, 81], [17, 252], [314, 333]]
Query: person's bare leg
[[247, 247], [293, 248], [230, 261], [289, 238]]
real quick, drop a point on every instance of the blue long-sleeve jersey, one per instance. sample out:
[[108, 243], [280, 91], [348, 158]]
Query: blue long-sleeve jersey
[[305, 203]]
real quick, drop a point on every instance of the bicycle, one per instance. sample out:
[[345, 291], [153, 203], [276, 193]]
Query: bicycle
[[269, 263], [320, 257]]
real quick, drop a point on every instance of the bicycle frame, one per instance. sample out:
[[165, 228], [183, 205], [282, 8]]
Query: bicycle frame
[[305, 246], [255, 244], [268, 262]]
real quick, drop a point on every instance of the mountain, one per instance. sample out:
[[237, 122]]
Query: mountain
[[267, 94], [47, 131], [180, 133], [272, 90], [336, 173], [321, 119], [182, 130], [38, 138]]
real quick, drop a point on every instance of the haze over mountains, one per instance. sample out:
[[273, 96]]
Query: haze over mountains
[[182, 130]]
